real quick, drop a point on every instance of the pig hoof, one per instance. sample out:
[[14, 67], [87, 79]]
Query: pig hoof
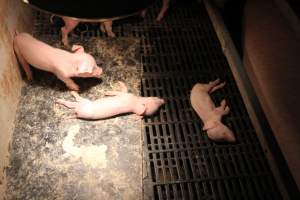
[[111, 34], [29, 77]]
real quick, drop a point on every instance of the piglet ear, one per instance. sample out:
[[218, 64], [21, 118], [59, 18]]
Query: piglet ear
[[84, 68], [77, 48]]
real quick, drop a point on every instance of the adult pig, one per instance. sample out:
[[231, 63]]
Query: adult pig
[[118, 102], [209, 113], [63, 64]]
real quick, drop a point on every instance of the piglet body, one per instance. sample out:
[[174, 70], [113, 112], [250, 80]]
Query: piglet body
[[209, 113], [117, 103], [62, 63]]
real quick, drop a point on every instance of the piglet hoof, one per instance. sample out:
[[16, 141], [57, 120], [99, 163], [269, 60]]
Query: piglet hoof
[[29, 77], [111, 34], [28, 74], [65, 42]]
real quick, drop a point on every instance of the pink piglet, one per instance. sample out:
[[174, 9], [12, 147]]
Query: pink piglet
[[63, 64], [117, 102], [209, 113]]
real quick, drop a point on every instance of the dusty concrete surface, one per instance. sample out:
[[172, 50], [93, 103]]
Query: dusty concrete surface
[[53, 158], [13, 15]]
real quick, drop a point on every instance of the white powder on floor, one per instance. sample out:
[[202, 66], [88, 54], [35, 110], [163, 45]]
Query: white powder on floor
[[94, 156]]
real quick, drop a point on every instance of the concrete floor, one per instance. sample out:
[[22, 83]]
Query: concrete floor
[[55, 158]]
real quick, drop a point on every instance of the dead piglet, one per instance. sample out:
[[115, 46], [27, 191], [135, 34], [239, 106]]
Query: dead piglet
[[63, 64], [209, 113], [71, 23], [118, 102], [162, 12]]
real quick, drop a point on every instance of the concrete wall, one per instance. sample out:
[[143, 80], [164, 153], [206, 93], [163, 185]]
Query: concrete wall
[[13, 15]]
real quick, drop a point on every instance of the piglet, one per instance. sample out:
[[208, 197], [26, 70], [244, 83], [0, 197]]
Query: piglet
[[63, 64], [71, 23], [118, 102], [209, 113], [163, 10]]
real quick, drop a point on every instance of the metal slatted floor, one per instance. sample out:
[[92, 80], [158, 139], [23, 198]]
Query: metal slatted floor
[[181, 162]]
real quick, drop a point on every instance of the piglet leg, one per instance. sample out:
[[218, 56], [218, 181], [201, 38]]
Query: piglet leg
[[70, 24], [106, 27], [223, 109], [163, 10], [68, 104], [69, 83], [214, 85], [24, 63], [72, 104], [77, 97]]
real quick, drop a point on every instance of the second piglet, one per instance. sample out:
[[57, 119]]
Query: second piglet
[[209, 113], [63, 64], [118, 102]]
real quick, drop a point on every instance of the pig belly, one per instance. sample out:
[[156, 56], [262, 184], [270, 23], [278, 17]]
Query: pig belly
[[103, 108]]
